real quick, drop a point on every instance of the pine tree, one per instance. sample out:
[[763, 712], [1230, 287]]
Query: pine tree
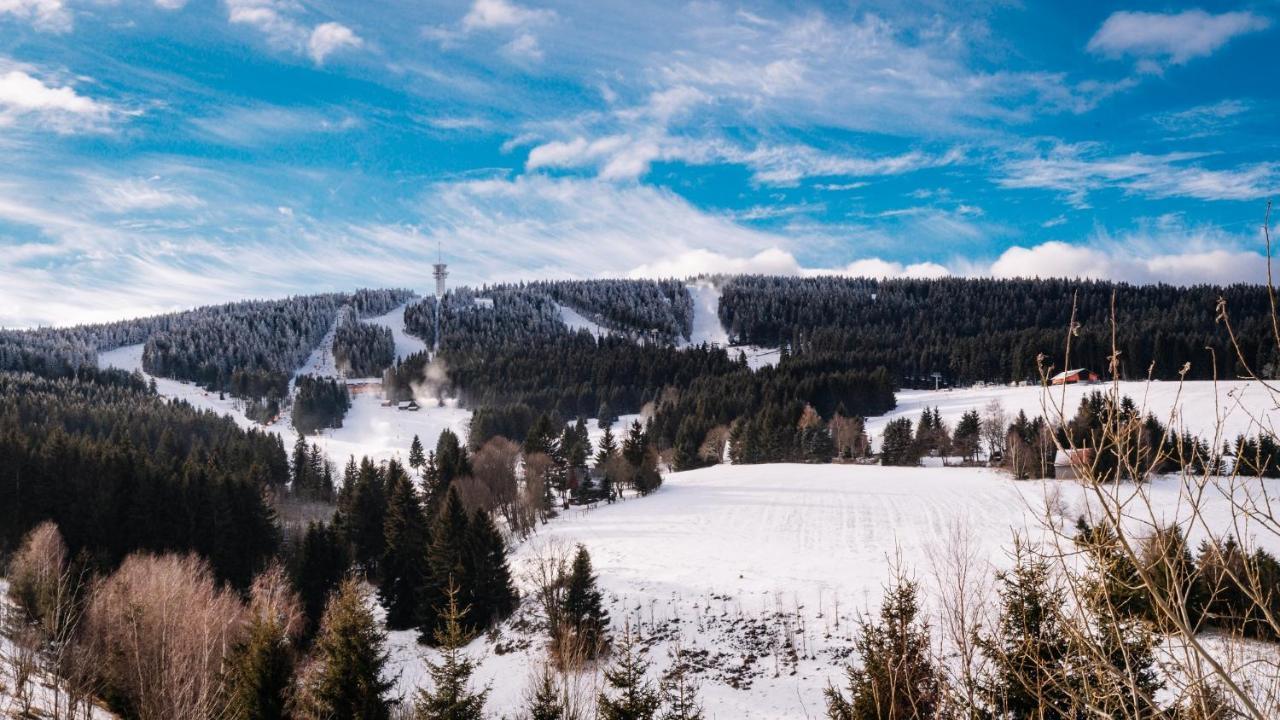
[[630, 695], [417, 457], [679, 690], [968, 435], [450, 560], [1029, 651], [896, 678], [582, 612], [450, 697], [349, 657], [404, 568], [364, 526], [261, 672], [608, 448], [301, 466], [898, 447], [493, 594], [545, 703], [319, 566]]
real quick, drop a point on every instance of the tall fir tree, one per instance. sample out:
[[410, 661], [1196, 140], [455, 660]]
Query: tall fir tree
[[450, 560], [450, 696], [417, 456], [583, 613], [630, 695], [261, 672], [493, 594], [318, 567], [896, 678], [346, 679], [404, 569]]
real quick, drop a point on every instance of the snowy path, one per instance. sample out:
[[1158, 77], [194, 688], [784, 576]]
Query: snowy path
[[577, 321], [406, 344]]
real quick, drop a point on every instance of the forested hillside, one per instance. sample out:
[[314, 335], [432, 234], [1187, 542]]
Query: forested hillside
[[248, 348], [992, 330], [361, 349], [119, 469], [660, 309]]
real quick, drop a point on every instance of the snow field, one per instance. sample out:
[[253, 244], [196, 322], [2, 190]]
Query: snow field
[[752, 562]]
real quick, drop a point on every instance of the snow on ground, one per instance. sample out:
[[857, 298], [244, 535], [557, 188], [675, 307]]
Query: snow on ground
[[577, 321], [129, 358], [708, 329], [406, 344], [739, 560], [320, 362], [1196, 406]]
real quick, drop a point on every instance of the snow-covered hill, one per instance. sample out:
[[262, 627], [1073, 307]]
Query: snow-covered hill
[[752, 563]]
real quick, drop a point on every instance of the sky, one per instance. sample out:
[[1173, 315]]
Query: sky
[[162, 154]]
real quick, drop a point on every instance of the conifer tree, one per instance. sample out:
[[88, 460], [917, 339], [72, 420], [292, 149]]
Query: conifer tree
[[896, 678], [582, 612], [404, 568], [417, 456], [493, 594], [608, 448], [968, 435], [450, 558], [322, 561], [345, 679], [450, 696], [364, 526], [261, 672], [679, 690], [301, 465], [898, 447], [545, 702], [630, 695], [1029, 650]]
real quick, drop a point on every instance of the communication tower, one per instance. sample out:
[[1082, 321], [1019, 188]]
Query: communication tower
[[440, 273]]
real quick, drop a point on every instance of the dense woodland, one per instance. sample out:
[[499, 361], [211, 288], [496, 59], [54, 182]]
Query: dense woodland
[[659, 310], [319, 402], [120, 469], [361, 349], [974, 330]]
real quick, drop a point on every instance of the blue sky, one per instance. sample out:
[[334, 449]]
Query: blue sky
[[166, 153]]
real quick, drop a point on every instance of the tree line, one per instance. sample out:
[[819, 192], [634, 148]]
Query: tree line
[[972, 330]]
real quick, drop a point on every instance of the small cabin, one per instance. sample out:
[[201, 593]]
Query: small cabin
[[1071, 377], [1072, 464], [407, 405]]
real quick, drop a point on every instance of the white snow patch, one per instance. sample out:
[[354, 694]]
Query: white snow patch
[[577, 321], [406, 344]]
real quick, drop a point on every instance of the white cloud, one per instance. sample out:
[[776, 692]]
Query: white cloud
[[1177, 37], [330, 37], [1203, 120], [1059, 259], [492, 14], [130, 195], [524, 47], [46, 15], [26, 98], [276, 19], [264, 125], [1078, 170]]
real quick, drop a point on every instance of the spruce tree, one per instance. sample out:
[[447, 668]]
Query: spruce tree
[[450, 560], [608, 448], [322, 560], [493, 594], [417, 456], [349, 658], [450, 696], [545, 702], [679, 689], [404, 569], [582, 612], [301, 466], [896, 677], [630, 695], [1029, 651], [261, 672]]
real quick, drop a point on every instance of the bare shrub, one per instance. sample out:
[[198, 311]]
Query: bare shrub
[[38, 581], [159, 630]]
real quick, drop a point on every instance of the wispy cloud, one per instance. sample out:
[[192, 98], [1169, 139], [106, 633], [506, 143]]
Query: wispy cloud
[[270, 124], [1173, 37], [1078, 170], [44, 15]]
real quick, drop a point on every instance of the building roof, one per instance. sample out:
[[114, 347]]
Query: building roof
[[1068, 373]]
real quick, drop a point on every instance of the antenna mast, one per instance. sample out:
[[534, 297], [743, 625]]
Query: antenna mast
[[440, 273]]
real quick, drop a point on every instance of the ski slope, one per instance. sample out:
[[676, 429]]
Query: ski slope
[[744, 561], [406, 344], [577, 321], [707, 328]]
